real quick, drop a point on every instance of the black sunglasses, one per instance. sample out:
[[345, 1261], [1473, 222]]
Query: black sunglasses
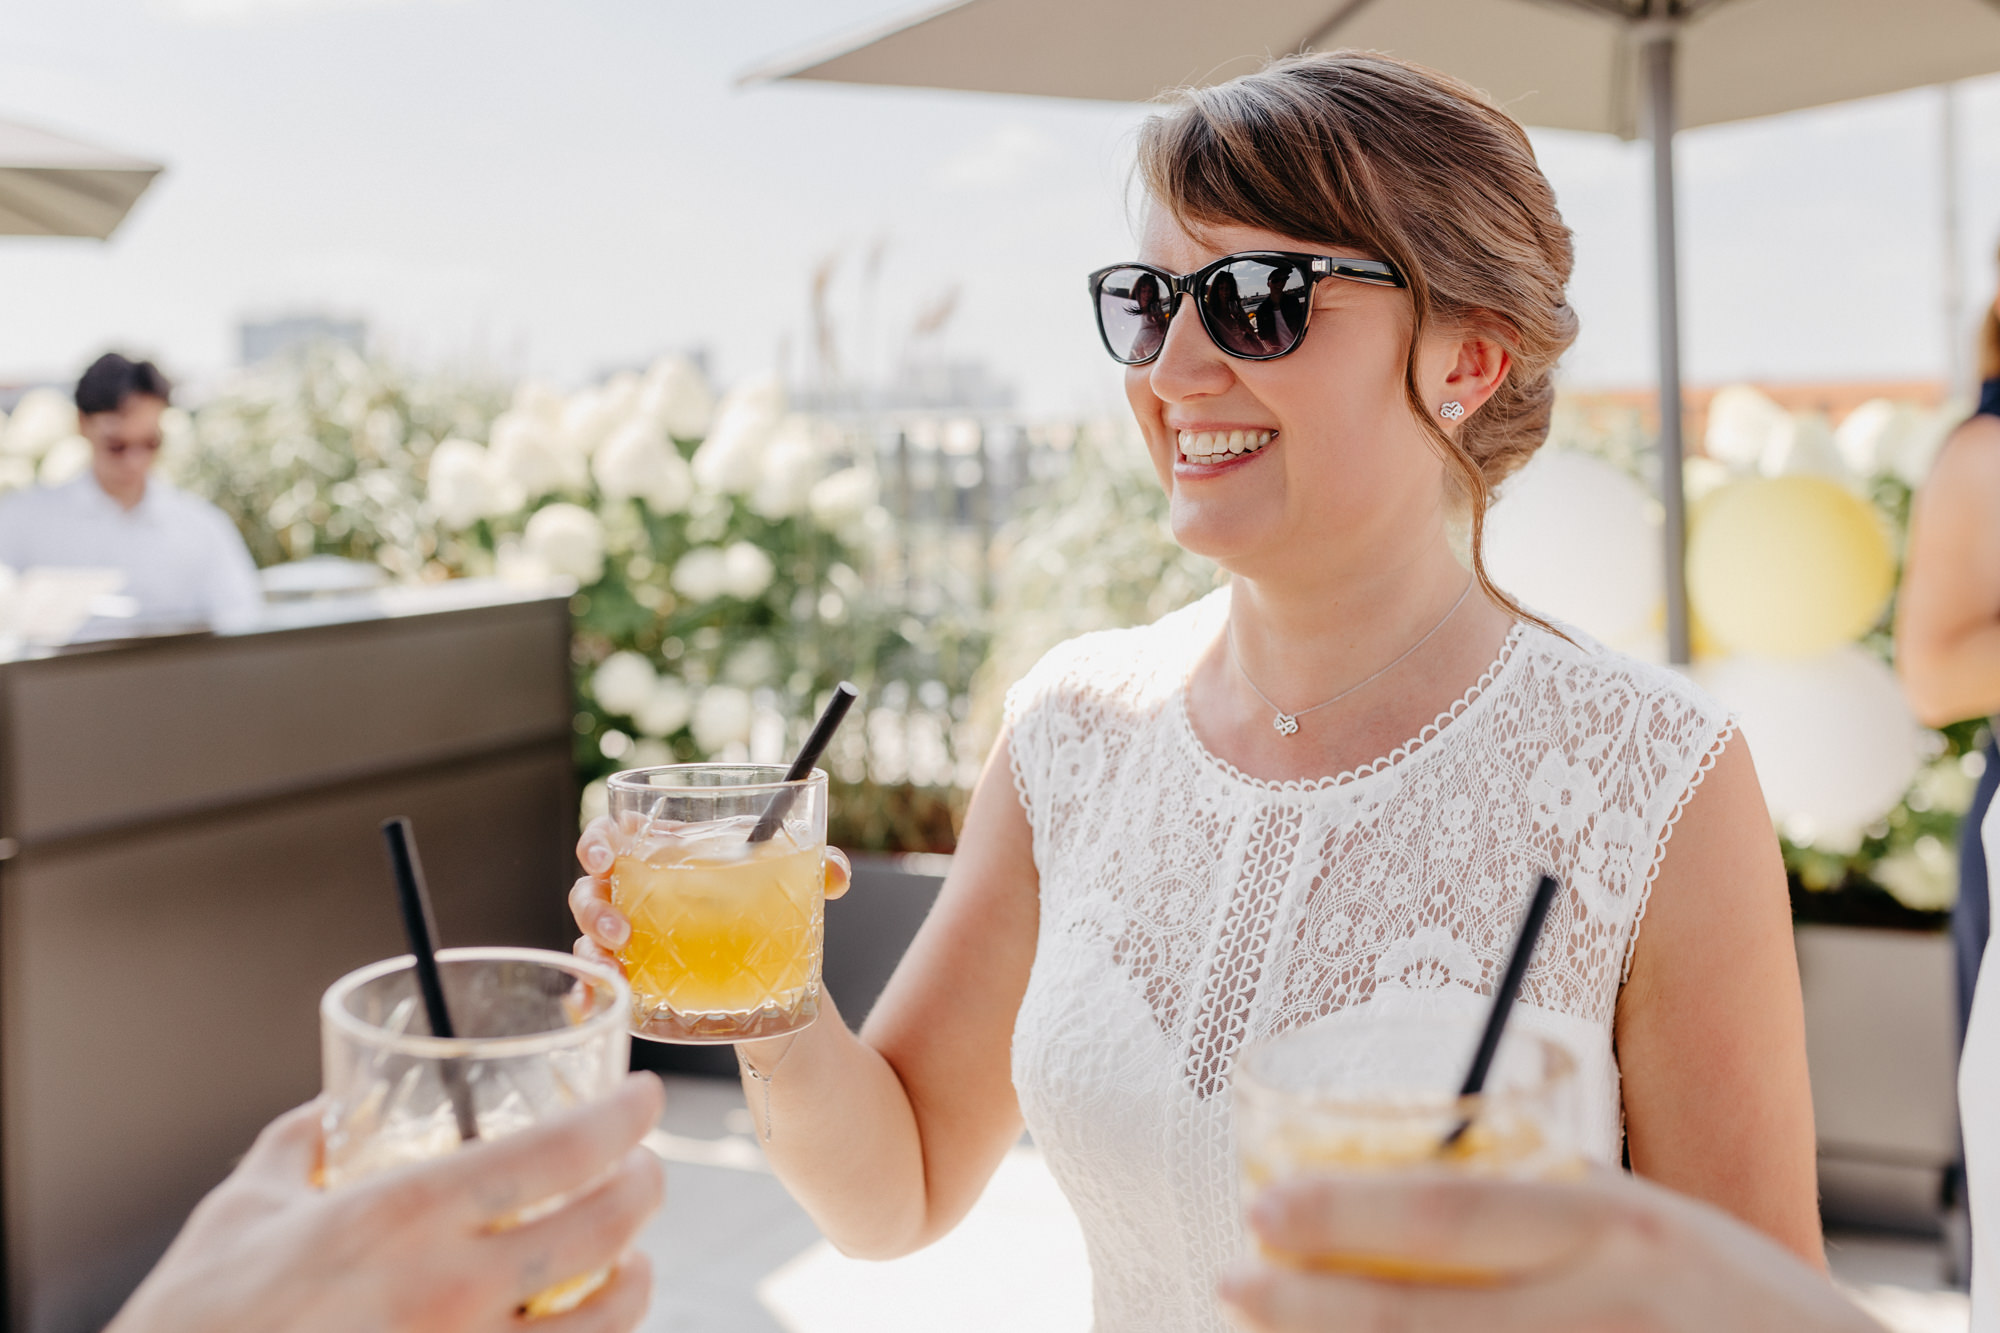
[[1255, 305]]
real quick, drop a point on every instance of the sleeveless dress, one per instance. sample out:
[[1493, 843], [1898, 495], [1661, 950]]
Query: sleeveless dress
[[1187, 909]]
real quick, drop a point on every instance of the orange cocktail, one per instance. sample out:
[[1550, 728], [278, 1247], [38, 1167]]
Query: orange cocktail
[[726, 902], [1359, 1094]]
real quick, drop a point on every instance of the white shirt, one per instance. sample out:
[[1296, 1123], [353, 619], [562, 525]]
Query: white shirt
[[1979, 1117], [184, 562]]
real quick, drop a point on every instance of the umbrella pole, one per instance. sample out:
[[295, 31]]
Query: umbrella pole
[[1656, 57]]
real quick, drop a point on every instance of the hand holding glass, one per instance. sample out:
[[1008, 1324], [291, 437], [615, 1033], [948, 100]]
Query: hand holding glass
[[538, 1033], [1356, 1094], [723, 928]]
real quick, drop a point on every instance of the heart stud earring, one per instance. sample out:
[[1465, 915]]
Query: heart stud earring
[[1452, 411]]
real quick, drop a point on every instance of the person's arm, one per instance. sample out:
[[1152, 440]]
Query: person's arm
[[1710, 1027], [1610, 1252], [887, 1137], [416, 1250], [1948, 613]]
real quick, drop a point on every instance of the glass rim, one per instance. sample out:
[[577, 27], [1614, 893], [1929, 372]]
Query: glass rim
[[1247, 1082], [333, 1009], [639, 779]]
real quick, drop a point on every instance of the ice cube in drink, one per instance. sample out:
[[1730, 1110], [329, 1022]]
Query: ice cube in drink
[[726, 933]]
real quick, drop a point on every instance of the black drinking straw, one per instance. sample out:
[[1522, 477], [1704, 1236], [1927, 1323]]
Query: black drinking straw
[[1503, 1001], [421, 929], [843, 699]]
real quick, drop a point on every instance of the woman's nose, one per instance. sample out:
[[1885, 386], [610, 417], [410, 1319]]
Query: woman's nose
[[1189, 364]]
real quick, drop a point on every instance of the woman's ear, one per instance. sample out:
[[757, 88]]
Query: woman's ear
[[1475, 371]]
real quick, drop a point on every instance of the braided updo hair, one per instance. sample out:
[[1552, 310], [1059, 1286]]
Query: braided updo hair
[[1358, 150]]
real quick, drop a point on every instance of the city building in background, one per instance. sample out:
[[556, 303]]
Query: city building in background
[[260, 340]]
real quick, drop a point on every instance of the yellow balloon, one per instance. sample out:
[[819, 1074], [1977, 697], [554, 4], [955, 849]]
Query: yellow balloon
[[1788, 567]]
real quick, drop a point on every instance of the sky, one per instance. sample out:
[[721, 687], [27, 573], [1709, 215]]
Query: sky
[[564, 187]]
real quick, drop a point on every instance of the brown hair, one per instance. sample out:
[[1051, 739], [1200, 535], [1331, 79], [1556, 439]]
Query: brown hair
[[1355, 149]]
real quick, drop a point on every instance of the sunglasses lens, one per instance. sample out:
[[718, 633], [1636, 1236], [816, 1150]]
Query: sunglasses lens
[[1132, 311], [1257, 308]]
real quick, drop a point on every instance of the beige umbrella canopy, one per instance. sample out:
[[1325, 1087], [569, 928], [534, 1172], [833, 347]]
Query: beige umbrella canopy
[[1621, 67], [1565, 64], [53, 186]]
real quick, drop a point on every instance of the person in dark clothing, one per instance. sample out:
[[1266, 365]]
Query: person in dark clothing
[[1948, 625]]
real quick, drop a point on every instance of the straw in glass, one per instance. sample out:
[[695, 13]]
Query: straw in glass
[[1503, 1002], [843, 699], [421, 929]]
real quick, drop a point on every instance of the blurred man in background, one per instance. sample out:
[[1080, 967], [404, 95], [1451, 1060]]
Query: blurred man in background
[[183, 562]]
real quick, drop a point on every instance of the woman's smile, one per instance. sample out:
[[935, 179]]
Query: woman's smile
[[1208, 452]]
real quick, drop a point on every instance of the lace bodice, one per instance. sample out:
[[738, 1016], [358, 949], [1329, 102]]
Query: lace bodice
[[1187, 908]]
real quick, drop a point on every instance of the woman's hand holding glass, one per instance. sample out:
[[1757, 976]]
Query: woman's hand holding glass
[[605, 929], [1611, 1251]]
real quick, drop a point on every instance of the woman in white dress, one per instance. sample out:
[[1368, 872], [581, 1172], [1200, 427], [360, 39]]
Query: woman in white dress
[[1161, 864]]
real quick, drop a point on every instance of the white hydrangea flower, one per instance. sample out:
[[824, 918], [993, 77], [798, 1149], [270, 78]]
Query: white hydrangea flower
[[532, 457], [41, 419], [569, 540], [677, 398], [790, 466], [702, 575], [540, 401], [667, 710], [730, 461], [176, 431], [752, 665], [638, 462], [596, 802], [721, 717], [747, 571], [464, 484], [514, 564], [624, 683], [841, 500], [66, 458], [588, 417]]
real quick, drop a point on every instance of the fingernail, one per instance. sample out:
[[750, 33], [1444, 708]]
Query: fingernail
[[611, 928], [597, 859]]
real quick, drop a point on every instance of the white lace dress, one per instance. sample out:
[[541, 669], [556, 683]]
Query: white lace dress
[[1187, 908]]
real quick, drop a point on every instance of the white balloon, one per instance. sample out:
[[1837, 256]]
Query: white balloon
[[1836, 747], [1575, 538]]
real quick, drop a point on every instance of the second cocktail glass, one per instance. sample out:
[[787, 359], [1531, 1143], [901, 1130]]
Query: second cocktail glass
[[726, 926], [1362, 1094]]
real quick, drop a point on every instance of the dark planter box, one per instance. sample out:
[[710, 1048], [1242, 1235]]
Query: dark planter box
[[1882, 1045]]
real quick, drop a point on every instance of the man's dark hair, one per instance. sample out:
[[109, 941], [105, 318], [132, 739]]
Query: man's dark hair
[[112, 379]]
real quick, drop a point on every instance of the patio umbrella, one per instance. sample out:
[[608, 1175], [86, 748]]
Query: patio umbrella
[[1621, 67], [53, 186]]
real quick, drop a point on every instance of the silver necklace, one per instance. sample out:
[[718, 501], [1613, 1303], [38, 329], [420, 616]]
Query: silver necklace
[[1287, 724]]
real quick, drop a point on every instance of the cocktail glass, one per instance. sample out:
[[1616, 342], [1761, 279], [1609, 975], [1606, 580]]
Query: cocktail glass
[[726, 926], [538, 1033], [1365, 1094]]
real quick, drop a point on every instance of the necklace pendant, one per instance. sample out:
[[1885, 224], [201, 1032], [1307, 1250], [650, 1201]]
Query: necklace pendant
[[1285, 724]]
